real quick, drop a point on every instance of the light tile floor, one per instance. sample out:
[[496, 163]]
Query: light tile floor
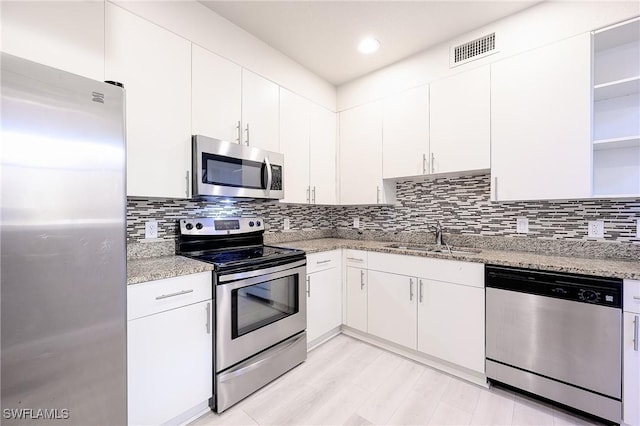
[[349, 382]]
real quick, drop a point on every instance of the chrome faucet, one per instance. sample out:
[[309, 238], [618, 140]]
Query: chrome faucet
[[438, 230]]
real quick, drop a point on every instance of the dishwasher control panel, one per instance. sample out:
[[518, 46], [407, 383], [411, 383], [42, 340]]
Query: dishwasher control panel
[[575, 287]]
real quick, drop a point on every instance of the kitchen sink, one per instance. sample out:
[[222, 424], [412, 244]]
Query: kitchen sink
[[434, 249]]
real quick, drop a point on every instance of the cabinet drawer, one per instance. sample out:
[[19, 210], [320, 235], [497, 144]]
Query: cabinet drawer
[[453, 271], [631, 296], [322, 261], [357, 258], [162, 295]]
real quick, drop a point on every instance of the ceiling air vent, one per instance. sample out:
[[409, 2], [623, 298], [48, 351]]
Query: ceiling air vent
[[473, 50]]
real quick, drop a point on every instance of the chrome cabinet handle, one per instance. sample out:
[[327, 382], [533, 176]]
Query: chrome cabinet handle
[[208, 309], [424, 164], [239, 127], [314, 194], [377, 195], [188, 181], [269, 173], [308, 192], [308, 286], [320, 262], [433, 163], [247, 130], [355, 259], [636, 326], [421, 291], [361, 280], [495, 188], [410, 289], [636, 298], [179, 293]]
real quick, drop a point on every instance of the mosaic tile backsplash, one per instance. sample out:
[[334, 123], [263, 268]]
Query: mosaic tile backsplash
[[461, 204]]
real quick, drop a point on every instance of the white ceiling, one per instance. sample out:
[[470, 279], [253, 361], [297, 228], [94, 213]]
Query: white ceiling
[[323, 35]]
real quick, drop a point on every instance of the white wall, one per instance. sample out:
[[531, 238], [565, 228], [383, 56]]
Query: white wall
[[537, 26], [206, 28]]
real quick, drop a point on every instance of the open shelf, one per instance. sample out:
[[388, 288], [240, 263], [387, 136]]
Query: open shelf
[[615, 143], [616, 35], [614, 89]]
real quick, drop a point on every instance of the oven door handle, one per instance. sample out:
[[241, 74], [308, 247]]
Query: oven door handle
[[252, 364], [226, 278]]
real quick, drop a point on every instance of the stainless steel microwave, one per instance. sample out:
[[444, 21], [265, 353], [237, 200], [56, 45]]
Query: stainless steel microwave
[[226, 169]]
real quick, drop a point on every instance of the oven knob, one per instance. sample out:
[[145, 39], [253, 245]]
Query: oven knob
[[189, 226], [258, 223], [198, 225], [589, 296], [251, 223]]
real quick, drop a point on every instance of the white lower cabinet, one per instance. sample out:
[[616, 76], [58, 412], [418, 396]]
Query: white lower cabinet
[[392, 307], [631, 353], [324, 294], [451, 322], [169, 352], [356, 298]]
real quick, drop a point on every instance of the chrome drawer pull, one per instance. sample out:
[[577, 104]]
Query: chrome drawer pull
[[355, 259], [410, 289], [361, 280], [308, 286], [208, 318], [180, 293], [320, 262], [421, 291], [636, 325], [636, 298]]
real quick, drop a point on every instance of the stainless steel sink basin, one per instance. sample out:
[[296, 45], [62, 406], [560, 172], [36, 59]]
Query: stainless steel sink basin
[[432, 249]]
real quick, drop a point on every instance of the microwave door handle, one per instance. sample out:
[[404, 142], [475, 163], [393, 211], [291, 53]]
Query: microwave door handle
[[269, 173]]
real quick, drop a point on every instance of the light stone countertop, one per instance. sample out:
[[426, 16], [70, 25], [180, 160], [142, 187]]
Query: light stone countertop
[[626, 269], [158, 268]]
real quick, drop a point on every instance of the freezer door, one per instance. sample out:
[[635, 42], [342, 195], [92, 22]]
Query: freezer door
[[63, 253]]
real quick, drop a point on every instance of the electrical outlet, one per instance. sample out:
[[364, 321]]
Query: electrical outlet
[[522, 225], [151, 229], [596, 229], [287, 224], [356, 222]]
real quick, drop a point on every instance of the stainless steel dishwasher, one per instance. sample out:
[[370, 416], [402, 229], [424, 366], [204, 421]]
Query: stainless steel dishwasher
[[556, 335]]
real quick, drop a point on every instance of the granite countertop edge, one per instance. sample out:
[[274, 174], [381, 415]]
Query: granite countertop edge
[[157, 268]]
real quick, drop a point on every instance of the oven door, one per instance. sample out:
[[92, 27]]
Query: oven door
[[258, 309]]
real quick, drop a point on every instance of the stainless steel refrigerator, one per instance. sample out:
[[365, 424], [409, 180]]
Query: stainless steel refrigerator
[[63, 248]]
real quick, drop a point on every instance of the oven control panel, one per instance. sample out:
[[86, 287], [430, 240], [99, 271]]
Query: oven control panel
[[220, 226]]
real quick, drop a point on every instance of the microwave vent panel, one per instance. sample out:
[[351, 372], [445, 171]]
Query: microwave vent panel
[[472, 50]]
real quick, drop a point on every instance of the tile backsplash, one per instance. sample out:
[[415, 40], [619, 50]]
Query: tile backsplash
[[460, 203]]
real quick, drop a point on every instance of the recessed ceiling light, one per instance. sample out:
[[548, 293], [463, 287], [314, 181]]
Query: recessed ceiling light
[[368, 45]]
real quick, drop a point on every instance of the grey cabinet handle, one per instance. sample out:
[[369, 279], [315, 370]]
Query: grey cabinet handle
[[421, 291], [361, 280], [314, 194], [208, 309], [239, 127], [247, 130], [320, 262], [636, 298], [188, 182], [308, 194], [309, 286], [424, 164], [179, 293], [377, 194], [636, 326], [495, 188], [410, 289], [433, 163], [355, 259]]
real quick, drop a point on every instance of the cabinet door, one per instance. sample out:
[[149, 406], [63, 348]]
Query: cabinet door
[[405, 137], [361, 154], [68, 35], [540, 123], [155, 67], [322, 158], [460, 122], [451, 323], [169, 363], [260, 109], [356, 311], [631, 368], [392, 307], [324, 307], [294, 144], [216, 92]]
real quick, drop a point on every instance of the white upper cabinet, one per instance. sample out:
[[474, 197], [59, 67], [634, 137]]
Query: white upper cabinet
[[294, 144], [68, 35], [405, 140], [155, 67], [322, 158], [540, 123], [361, 155], [260, 112], [216, 94], [460, 124]]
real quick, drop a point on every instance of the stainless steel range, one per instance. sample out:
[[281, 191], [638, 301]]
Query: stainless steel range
[[261, 311]]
